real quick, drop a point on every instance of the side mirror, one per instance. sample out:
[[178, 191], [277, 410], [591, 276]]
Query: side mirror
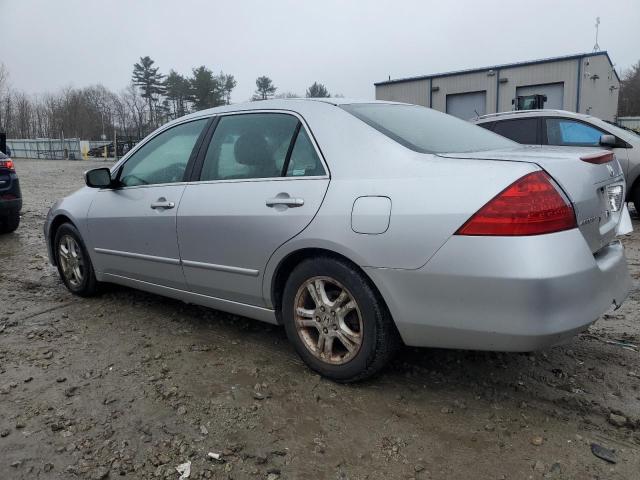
[[608, 141], [98, 178]]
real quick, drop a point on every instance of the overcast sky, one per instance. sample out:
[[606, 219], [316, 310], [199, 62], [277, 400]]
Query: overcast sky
[[347, 45]]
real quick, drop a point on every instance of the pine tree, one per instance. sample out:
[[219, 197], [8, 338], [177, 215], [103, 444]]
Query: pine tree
[[265, 90], [317, 90], [178, 91], [146, 76], [206, 90]]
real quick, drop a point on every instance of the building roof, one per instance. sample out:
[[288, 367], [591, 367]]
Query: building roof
[[498, 67]]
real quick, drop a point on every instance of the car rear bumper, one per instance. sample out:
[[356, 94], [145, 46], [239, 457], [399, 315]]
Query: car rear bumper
[[10, 195], [505, 294], [8, 207]]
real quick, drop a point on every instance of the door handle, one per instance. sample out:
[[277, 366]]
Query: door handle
[[162, 204], [285, 201]]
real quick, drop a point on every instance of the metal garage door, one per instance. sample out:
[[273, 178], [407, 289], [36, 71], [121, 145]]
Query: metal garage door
[[467, 105], [553, 91]]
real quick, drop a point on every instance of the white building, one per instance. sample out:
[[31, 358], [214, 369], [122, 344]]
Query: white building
[[584, 83]]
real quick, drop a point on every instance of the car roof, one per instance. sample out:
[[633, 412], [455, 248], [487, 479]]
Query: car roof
[[292, 104], [530, 113]]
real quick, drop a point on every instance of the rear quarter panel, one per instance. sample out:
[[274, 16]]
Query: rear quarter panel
[[430, 197]]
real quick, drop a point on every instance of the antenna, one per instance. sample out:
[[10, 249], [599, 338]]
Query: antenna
[[596, 47]]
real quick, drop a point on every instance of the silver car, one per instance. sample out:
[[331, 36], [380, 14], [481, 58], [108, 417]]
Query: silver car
[[570, 130], [358, 226]]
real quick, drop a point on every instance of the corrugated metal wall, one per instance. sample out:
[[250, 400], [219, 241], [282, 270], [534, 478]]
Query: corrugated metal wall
[[470, 82], [541, 73], [416, 92], [598, 96]]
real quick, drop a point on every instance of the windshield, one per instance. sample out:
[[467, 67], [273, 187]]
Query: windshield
[[425, 130]]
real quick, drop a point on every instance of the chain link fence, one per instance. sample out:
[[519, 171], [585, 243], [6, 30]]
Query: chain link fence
[[46, 148]]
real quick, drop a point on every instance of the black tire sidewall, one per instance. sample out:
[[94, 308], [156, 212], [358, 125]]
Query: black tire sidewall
[[636, 198], [9, 223], [88, 285], [365, 297]]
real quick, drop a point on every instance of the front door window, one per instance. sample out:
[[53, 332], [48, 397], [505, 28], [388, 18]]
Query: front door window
[[164, 158]]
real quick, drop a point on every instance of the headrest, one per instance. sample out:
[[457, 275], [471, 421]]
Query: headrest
[[252, 148]]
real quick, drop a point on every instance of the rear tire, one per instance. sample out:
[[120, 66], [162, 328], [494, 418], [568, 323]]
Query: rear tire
[[635, 198], [343, 331], [9, 223], [73, 261]]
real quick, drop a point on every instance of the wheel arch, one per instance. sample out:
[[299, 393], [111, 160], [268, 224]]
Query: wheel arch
[[294, 258], [56, 223]]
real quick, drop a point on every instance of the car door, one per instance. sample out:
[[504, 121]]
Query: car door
[[133, 227], [259, 184], [567, 132]]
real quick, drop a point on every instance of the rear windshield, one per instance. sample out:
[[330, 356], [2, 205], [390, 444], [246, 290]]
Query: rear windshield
[[425, 130]]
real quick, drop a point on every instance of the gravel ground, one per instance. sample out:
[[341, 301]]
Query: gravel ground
[[132, 385]]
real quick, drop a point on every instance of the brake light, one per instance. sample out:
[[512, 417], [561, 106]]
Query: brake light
[[7, 163], [598, 158], [532, 205]]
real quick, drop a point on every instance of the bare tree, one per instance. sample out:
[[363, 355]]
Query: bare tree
[[4, 97], [629, 103], [136, 105]]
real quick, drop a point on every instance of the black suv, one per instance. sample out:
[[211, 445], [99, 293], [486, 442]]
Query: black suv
[[10, 197]]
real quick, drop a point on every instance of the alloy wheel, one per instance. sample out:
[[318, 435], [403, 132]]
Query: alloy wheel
[[328, 320], [71, 261]]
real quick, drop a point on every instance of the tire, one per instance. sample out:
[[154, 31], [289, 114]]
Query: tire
[[635, 198], [10, 222], [367, 327], [82, 281]]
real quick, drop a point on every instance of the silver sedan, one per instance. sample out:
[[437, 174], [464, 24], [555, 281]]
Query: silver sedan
[[359, 226]]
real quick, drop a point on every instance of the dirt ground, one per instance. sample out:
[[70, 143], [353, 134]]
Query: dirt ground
[[132, 385]]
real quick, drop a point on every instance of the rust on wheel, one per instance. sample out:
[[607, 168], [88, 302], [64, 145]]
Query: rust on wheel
[[328, 320], [71, 261]]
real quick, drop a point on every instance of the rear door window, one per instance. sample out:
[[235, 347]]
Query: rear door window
[[567, 132], [304, 161], [250, 145], [522, 130]]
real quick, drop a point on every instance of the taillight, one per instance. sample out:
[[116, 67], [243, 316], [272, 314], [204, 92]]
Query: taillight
[[7, 163], [532, 205], [598, 158]]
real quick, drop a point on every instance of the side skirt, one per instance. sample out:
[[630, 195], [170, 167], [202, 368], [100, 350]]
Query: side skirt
[[251, 311]]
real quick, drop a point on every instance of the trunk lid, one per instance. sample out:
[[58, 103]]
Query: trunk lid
[[596, 191]]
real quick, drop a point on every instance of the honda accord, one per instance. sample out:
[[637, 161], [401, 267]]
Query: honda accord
[[358, 226]]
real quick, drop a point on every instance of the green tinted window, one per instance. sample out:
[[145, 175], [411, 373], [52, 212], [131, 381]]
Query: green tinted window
[[164, 158], [304, 161], [251, 145]]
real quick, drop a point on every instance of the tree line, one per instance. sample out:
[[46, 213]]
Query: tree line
[[150, 100], [629, 99]]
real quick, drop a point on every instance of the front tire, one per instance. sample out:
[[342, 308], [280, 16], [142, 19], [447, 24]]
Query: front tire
[[74, 264], [9, 223], [337, 321]]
